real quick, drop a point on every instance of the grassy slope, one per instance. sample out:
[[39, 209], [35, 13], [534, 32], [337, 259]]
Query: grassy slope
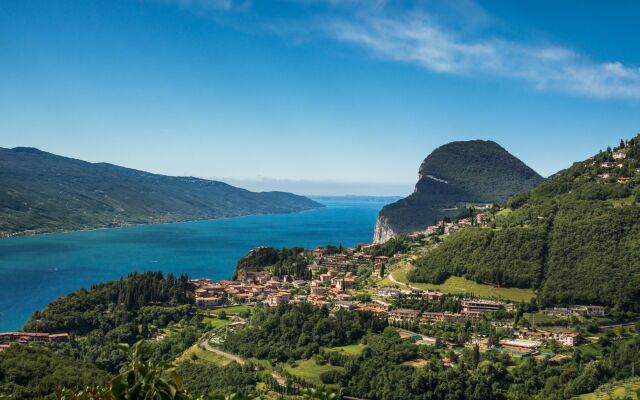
[[216, 322], [614, 391], [310, 371], [203, 356], [461, 285], [350, 350]]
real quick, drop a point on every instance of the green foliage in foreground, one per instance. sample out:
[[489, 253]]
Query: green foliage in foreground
[[35, 372], [146, 380]]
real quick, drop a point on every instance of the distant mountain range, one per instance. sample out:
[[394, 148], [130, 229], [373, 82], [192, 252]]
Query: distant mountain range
[[43, 192], [450, 178]]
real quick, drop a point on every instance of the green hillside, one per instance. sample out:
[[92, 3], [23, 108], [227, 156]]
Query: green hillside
[[43, 192], [574, 238], [455, 175]]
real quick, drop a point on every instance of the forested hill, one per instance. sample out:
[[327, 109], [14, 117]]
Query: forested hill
[[452, 176], [575, 238], [43, 192]]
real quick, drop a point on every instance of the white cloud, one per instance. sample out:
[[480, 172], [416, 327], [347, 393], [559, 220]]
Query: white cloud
[[417, 39], [442, 37], [220, 5]]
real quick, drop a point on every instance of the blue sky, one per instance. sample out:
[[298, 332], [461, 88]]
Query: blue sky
[[272, 93]]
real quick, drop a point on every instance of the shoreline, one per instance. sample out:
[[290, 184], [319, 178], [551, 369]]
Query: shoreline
[[219, 266], [24, 234]]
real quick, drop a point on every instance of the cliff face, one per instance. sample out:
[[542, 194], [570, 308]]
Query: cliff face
[[383, 230], [452, 177]]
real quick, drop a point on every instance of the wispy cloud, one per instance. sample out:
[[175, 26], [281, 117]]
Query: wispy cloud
[[208, 5], [422, 36], [417, 39]]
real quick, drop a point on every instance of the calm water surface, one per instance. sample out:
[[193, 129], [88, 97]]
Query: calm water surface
[[35, 270]]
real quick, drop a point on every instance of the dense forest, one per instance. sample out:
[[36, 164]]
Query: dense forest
[[280, 262], [123, 311], [210, 379], [576, 237], [111, 304], [35, 372], [292, 332]]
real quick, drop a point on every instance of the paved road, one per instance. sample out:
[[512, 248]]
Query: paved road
[[394, 280], [204, 343], [617, 325]]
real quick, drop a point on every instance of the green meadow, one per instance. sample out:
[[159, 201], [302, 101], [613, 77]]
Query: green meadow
[[459, 285]]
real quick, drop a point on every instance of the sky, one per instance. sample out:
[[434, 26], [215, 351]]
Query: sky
[[316, 96]]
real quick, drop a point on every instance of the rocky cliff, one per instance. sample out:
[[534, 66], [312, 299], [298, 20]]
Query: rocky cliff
[[383, 230], [452, 177]]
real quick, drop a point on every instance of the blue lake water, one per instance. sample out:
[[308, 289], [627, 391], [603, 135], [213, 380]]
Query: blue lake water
[[35, 270]]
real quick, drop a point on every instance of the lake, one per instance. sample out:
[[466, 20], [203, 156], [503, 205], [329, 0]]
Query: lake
[[37, 269]]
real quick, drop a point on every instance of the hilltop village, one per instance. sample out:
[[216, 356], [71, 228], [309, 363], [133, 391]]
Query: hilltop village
[[353, 279]]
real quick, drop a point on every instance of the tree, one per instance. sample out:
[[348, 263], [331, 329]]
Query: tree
[[320, 394], [145, 379]]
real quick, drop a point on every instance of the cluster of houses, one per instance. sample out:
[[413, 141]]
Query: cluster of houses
[[333, 278], [448, 228], [527, 343], [6, 338], [346, 262], [472, 310], [617, 163], [251, 287], [576, 310], [333, 275]]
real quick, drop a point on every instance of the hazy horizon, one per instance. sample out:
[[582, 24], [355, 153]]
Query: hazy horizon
[[323, 188]]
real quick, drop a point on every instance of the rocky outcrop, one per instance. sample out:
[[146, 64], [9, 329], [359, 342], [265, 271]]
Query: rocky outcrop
[[383, 230], [450, 179]]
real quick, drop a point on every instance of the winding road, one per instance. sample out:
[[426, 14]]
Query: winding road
[[204, 344]]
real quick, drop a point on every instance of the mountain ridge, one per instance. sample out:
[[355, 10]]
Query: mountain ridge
[[44, 192]]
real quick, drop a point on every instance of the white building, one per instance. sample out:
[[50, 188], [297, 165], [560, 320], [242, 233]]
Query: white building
[[388, 292], [567, 338]]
